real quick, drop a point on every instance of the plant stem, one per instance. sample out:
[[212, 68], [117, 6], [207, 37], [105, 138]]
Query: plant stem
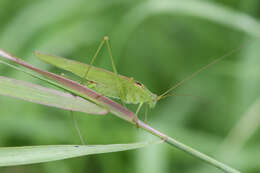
[[187, 149]]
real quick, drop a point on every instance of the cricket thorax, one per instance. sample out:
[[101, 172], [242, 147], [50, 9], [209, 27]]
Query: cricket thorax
[[137, 93]]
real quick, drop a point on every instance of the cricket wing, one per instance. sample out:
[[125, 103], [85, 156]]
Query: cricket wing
[[99, 79]]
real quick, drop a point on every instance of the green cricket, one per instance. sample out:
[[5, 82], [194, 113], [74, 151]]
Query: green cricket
[[112, 84], [109, 84]]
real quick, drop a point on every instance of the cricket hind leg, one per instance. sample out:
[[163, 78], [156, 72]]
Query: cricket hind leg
[[122, 94], [84, 78], [75, 122], [119, 84]]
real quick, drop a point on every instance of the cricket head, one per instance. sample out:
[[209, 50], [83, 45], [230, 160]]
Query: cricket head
[[145, 95]]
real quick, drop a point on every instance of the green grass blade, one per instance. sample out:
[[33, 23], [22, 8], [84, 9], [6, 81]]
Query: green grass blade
[[10, 156], [46, 96]]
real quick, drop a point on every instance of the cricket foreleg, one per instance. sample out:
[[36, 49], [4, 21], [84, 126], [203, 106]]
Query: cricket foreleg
[[136, 114], [145, 114]]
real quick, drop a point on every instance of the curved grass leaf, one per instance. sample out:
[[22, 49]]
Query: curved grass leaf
[[10, 156], [213, 12], [46, 96]]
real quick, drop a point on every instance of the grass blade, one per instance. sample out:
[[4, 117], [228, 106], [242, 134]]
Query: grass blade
[[10, 156], [46, 96]]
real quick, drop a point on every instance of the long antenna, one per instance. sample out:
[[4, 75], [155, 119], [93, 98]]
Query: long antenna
[[188, 95], [200, 70]]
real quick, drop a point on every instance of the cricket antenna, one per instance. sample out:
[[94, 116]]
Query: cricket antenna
[[198, 71], [174, 94]]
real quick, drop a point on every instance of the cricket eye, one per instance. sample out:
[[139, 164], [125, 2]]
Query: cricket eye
[[138, 83]]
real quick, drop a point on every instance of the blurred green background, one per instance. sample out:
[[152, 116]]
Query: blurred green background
[[158, 43]]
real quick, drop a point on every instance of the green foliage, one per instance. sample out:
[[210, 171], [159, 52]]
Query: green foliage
[[157, 45], [10, 156]]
